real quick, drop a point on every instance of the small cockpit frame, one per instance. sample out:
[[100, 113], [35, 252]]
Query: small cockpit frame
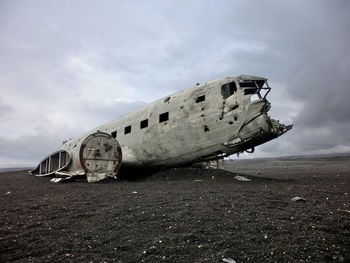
[[255, 87]]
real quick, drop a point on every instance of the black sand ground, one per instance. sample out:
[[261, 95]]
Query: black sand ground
[[183, 215]]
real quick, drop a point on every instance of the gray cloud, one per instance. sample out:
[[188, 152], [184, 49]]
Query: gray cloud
[[5, 109], [68, 66]]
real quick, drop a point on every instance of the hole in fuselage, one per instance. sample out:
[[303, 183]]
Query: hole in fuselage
[[164, 117], [235, 107], [228, 89], [200, 99]]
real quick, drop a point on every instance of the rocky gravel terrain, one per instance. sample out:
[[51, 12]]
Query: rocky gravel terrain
[[183, 214]]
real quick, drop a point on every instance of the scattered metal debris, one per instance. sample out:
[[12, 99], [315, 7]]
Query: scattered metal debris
[[228, 260], [242, 178], [56, 180], [298, 199]]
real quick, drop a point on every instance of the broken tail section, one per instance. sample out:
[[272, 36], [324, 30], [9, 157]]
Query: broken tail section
[[97, 155], [52, 164]]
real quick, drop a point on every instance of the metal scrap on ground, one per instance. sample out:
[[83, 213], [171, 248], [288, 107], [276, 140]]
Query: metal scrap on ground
[[228, 260], [242, 178], [298, 199]]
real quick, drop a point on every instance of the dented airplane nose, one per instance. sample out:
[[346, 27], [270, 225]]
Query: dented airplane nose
[[257, 127]]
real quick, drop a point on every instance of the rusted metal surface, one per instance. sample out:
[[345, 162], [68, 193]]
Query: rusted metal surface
[[206, 122]]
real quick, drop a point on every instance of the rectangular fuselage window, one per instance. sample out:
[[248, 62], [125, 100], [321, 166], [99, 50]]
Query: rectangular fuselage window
[[114, 134], [200, 99], [144, 124], [127, 129], [164, 117]]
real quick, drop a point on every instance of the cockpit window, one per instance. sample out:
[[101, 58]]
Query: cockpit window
[[252, 87], [250, 91], [247, 83], [251, 83], [228, 89]]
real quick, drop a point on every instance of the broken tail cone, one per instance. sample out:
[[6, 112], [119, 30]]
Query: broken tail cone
[[53, 163], [97, 155]]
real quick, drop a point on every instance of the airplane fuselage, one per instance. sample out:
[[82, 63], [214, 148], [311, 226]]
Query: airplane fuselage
[[195, 124], [208, 121]]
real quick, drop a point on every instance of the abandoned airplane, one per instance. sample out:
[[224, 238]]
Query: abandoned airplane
[[206, 122]]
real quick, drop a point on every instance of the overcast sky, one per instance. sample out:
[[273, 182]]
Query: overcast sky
[[69, 66]]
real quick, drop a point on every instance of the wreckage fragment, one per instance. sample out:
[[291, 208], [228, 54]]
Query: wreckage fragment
[[204, 123], [53, 163], [97, 156]]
